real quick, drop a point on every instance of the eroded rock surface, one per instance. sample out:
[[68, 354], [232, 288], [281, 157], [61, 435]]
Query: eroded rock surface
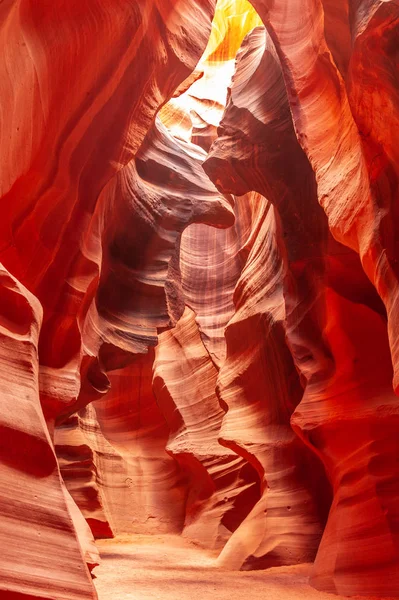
[[199, 286]]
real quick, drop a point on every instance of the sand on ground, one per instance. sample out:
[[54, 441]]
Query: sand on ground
[[169, 567]]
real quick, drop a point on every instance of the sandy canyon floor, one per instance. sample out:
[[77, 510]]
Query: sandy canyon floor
[[170, 568]]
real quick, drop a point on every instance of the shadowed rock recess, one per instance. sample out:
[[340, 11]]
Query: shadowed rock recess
[[199, 298]]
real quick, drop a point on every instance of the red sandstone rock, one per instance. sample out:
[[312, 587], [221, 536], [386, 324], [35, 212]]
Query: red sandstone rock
[[256, 149], [275, 354], [326, 294], [347, 142], [140, 480], [40, 553], [91, 130], [77, 102], [221, 486], [79, 473]]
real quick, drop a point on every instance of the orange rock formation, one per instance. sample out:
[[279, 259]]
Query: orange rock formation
[[199, 286]]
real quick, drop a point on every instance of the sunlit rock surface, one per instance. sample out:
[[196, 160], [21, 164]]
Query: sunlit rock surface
[[255, 149], [79, 472], [330, 305], [77, 101], [41, 555], [199, 286], [222, 487]]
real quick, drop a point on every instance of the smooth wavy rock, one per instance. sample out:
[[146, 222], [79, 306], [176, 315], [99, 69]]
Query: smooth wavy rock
[[77, 102], [139, 292], [210, 265], [222, 487], [41, 556], [113, 474], [142, 493], [173, 359], [210, 260], [329, 304], [348, 142], [259, 385], [256, 149], [356, 170], [140, 480], [91, 126], [76, 461], [156, 196]]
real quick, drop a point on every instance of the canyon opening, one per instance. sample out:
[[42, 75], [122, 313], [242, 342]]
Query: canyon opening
[[199, 299]]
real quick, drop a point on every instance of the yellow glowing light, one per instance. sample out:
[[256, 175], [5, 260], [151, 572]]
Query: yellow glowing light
[[232, 21], [203, 103]]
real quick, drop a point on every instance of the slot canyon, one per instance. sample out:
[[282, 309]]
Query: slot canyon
[[199, 299]]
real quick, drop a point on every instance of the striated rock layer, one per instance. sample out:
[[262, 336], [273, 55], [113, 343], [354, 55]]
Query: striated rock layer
[[199, 286], [222, 487], [41, 554], [258, 381], [76, 461], [77, 100], [334, 322]]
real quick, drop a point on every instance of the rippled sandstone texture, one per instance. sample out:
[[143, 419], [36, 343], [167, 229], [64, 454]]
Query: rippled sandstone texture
[[198, 297], [77, 100], [335, 323]]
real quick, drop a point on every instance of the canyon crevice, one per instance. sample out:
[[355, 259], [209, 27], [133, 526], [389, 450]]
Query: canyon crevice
[[199, 292]]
